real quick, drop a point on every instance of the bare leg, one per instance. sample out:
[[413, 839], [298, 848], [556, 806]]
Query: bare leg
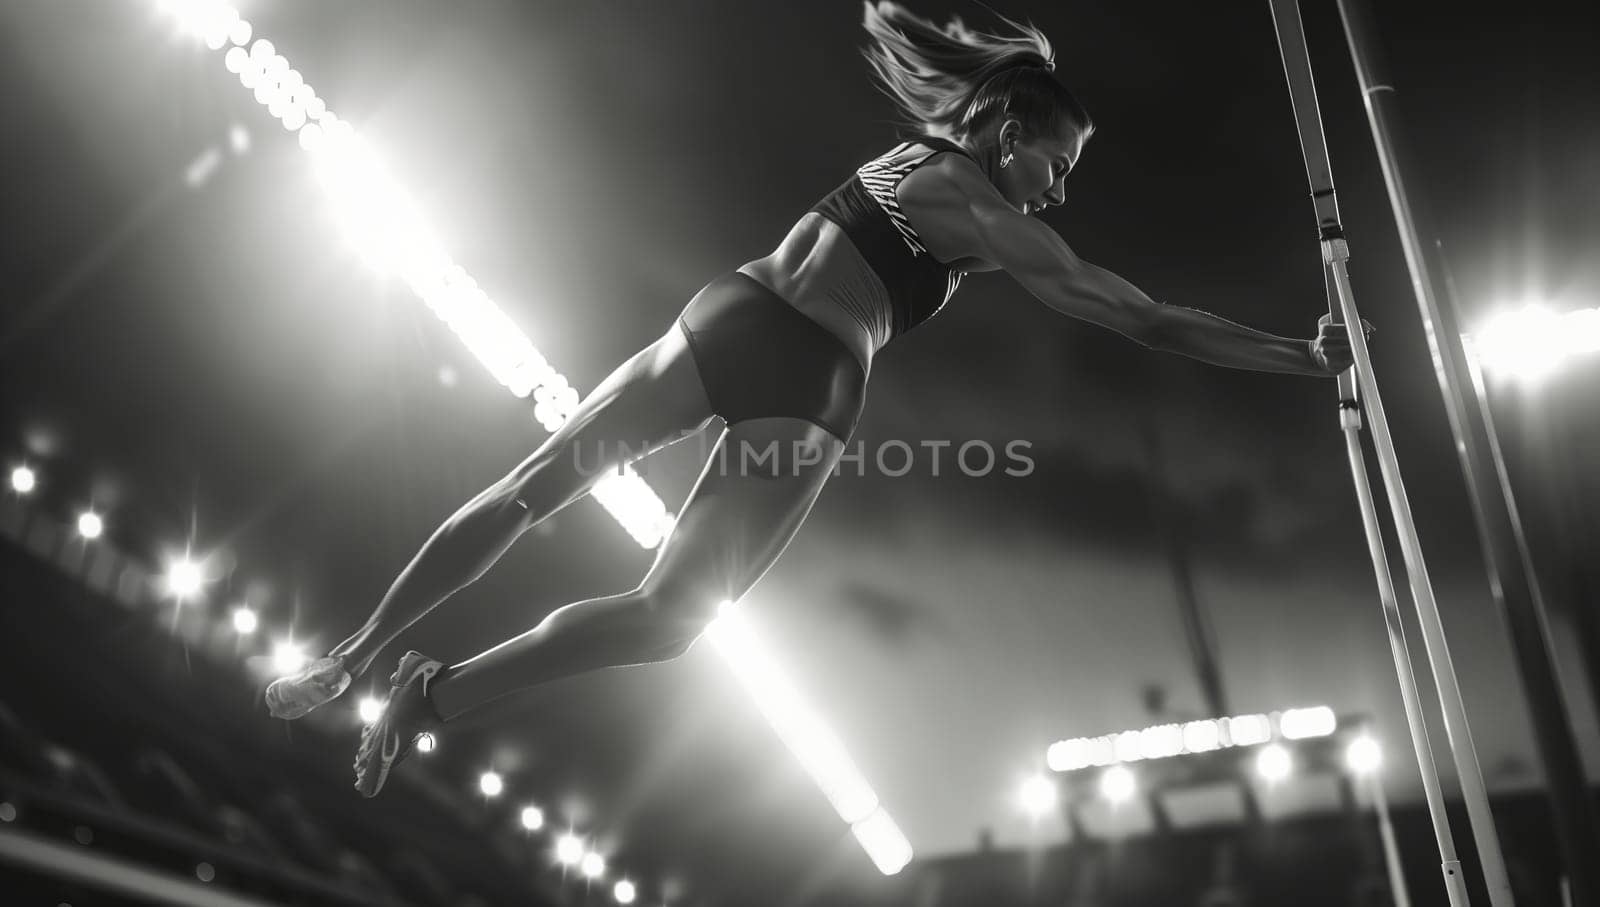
[[731, 530], [654, 399]]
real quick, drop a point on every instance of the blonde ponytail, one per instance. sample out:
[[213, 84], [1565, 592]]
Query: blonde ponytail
[[955, 80]]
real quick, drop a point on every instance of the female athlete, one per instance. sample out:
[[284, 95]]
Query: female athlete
[[780, 349]]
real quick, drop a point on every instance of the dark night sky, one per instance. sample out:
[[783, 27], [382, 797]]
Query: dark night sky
[[215, 361]]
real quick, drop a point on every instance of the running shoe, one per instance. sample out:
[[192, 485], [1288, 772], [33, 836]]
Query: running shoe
[[385, 742], [304, 690]]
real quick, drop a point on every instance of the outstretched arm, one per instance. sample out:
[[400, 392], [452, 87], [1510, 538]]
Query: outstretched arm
[[968, 218], [1210, 338], [1084, 290]]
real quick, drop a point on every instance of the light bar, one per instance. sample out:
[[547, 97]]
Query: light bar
[[819, 752], [1165, 740], [390, 234], [883, 842]]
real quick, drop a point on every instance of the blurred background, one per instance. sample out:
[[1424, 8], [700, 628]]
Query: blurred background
[[204, 347]]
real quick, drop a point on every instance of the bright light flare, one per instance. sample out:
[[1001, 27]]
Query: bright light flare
[[1247, 730], [370, 709], [1201, 736], [23, 480], [288, 657], [1274, 763], [391, 235], [883, 841], [1118, 785], [569, 850], [594, 865], [1363, 755], [811, 741], [532, 818], [491, 784], [624, 892], [213, 21], [1317, 721], [1161, 741], [1038, 796], [90, 526], [244, 621], [185, 577], [1529, 343]]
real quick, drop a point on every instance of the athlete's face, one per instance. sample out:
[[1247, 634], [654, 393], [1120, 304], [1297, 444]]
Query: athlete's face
[[1039, 166]]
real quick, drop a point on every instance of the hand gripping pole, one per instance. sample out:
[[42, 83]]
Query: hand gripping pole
[[1362, 384]]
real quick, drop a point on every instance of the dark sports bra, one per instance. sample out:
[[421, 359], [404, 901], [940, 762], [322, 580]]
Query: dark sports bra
[[865, 207]]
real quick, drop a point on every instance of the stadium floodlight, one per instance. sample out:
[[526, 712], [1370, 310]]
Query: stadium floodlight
[[1038, 795], [491, 784], [1363, 756], [288, 657], [624, 892], [1067, 755], [883, 841], [370, 709], [185, 578], [1118, 785], [1160, 741], [1130, 747], [1166, 740], [569, 850], [90, 526], [23, 480], [1274, 763], [1530, 342], [594, 865], [213, 21], [1298, 724], [1201, 736], [244, 621], [532, 818], [1247, 730], [390, 234]]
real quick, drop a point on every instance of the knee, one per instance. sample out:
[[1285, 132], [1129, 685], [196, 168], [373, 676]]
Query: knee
[[679, 615]]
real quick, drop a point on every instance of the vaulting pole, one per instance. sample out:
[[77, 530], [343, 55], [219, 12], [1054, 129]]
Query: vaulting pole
[[1511, 577], [1362, 385]]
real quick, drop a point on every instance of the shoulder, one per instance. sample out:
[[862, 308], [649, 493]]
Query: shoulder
[[940, 198]]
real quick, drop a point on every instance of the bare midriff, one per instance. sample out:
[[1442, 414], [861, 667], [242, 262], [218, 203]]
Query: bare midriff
[[821, 273]]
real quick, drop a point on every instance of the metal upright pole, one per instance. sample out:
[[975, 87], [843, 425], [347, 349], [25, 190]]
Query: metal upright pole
[[1455, 885], [1335, 255], [1391, 850], [1511, 577]]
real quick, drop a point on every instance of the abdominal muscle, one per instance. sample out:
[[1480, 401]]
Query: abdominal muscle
[[821, 273]]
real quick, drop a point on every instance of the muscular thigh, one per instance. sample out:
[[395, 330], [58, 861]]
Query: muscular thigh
[[757, 488], [648, 402]]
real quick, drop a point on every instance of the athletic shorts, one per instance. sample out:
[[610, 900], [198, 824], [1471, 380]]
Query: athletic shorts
[[759, 356]]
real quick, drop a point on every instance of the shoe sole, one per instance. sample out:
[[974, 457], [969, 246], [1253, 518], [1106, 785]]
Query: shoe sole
[[281, 703], [372, 769]]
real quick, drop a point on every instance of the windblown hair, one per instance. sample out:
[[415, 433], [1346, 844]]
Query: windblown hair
[[958, 81]]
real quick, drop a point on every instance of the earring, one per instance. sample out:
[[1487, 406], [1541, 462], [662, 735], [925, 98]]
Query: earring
[[1006, 161]]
